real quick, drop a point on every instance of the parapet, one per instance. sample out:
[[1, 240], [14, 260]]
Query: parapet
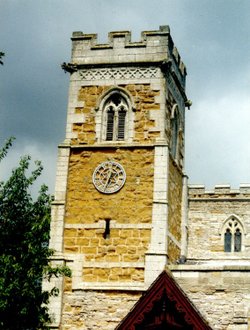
[[221, 191], [154, 46]]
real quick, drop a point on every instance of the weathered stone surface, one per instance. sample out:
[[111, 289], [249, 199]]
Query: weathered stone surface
[[144, 99], [174, 217], [224, 304], [85, 205], [96, 310]]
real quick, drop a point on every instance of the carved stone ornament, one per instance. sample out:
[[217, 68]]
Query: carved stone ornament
[[118, 73], [69, 67]]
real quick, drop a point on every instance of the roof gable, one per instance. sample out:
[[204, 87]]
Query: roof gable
[[163, 306]]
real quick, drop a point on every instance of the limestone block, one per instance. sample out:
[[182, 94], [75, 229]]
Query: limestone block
[[221, 298]]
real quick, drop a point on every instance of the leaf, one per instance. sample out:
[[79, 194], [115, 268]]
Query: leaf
[[25, 253]]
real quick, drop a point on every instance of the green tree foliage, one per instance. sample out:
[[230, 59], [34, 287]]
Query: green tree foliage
[[24, 252]]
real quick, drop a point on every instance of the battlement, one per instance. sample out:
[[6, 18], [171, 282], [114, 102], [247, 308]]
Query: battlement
[[222, 191], [154, 46]]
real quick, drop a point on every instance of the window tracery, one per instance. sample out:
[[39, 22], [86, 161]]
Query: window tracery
[[115, 111], [233, 234], [114, 118]]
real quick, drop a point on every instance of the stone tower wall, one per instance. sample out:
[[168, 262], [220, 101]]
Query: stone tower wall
[[119, 257], [147, 102], [175, 208], [148, 217], [145, 216]]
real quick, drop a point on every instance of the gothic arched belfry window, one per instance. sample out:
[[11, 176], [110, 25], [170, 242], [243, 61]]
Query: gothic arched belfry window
[[114, 118], [233, 231], [115, 110]]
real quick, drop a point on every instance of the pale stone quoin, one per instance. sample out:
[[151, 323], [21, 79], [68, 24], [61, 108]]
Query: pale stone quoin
[[127, 105]]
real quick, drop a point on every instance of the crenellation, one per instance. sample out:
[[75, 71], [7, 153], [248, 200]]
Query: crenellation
[[155, 46], [119, 37], [245, 188], [163, 30], [79, 35], [219, 191], [222, 188]]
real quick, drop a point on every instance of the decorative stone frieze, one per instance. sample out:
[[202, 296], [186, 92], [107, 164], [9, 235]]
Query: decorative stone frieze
[[119, 73]]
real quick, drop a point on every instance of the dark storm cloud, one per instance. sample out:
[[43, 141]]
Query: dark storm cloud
[[212, 37], [33, 87]]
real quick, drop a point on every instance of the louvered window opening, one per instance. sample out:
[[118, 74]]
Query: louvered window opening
[[110, 124], [121, 124]]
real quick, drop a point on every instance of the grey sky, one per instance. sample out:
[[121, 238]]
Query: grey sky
[[212, 36]]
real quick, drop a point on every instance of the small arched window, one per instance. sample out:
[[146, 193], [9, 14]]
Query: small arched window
[[115, 116], [232, 235], [115, 111], [174, 131]]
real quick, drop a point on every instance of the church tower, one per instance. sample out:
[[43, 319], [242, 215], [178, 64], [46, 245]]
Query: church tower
[[119, 213]]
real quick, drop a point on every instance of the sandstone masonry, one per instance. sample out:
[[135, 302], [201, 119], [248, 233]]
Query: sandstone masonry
[[125, 134]]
